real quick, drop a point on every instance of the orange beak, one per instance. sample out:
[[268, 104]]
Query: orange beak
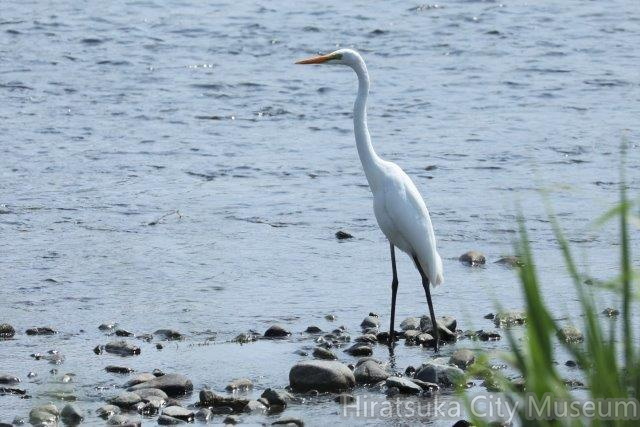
[[315, 59]]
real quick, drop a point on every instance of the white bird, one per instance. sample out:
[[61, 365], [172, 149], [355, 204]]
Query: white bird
[[398, 206]]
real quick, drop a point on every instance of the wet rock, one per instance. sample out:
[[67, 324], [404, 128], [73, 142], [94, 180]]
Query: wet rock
[[367, 338], [410, 336], [255, 407], [165, 420], [123, 333], [125, 400], [231, 420], [403, 385], [9, 379], [330, 317], [289, 422], [145, 393], [107, 411], [276, 331], [510, 261], [145, 337], [462, 423], [6, 331], [359, 350], [383, 337], [179, 413], [150, 405], [13, 390], [570, 334], [392, 391], [71, 415], [462, 358], [609, 312], [410, 324], [472, 258], [239, 384], [174, 385], [108, 326], [344, 399], [43, 330], [313, 330], [424, 385], [159, 346], [425, 339], [118, 369], [122, 348], [210, 399], [487, 335], [140, 378], [169, 334], [446, 334], [323, 353], [204, 415], [370, 372], [370, 322], [341, 235], [510, 318], [440, 374], [276, 397], [489, 316], [121, 420], [44, 415], [321, 375]]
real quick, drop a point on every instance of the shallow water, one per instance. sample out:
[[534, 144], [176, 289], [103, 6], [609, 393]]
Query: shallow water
[[164, 164]]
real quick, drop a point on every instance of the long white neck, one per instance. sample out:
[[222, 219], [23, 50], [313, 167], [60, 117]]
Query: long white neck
[[371, 163]]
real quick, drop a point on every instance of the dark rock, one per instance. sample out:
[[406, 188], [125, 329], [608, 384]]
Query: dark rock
[[210, 399], [330, 317], [472, 258], [239, 384], [409, 371], [462, 358], [174, 385], [9, 379], [410, 336], [165, 420], [392, 391], [159, 346], [440, 374], [462, 423], [344, 398], [71, 415], [231, 419], [488, 335], [359, 349], [370, 322], [6, 331], [13, 390], [118, 369], [43, 330], [125, 400], [140, 378], [98, 349], [427, 386], [313, 330], [204, 414], [489, 316], [107, 326], [367, 338], [321, 375], [288, 421], [410, 323], [571, 363], [276, 331], [123, 333], [169, 334], [341, 235], [510, 318], [122, 348], [121, 420], [323, 353], [145, 337], [570, 334], [107, 411], [179, 413], [370, 372], [276, 397], [609, 312], [510, 261], [403, 385]]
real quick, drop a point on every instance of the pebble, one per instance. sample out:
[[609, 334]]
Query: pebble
[[43, 330], [462, 358], [323, 353], [321, 375], [276, 331], [472, 258], [239, 384], [174, 385], [122, 348], [404, 385], [6, 331]]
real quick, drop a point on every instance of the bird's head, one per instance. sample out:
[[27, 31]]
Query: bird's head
[[348, 57]]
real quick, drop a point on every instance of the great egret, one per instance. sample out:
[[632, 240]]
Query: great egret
[[398, 206]]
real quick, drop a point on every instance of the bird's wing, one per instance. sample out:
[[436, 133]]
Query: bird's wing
[[406, 207]]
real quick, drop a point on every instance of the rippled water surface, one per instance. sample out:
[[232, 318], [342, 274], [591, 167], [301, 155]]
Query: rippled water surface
[[163, 164]]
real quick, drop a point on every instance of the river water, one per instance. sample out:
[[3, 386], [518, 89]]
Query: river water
[[163, 164]]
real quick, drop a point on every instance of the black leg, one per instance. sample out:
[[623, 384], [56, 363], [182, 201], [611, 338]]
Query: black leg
[[427, 291], [394, 291]]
